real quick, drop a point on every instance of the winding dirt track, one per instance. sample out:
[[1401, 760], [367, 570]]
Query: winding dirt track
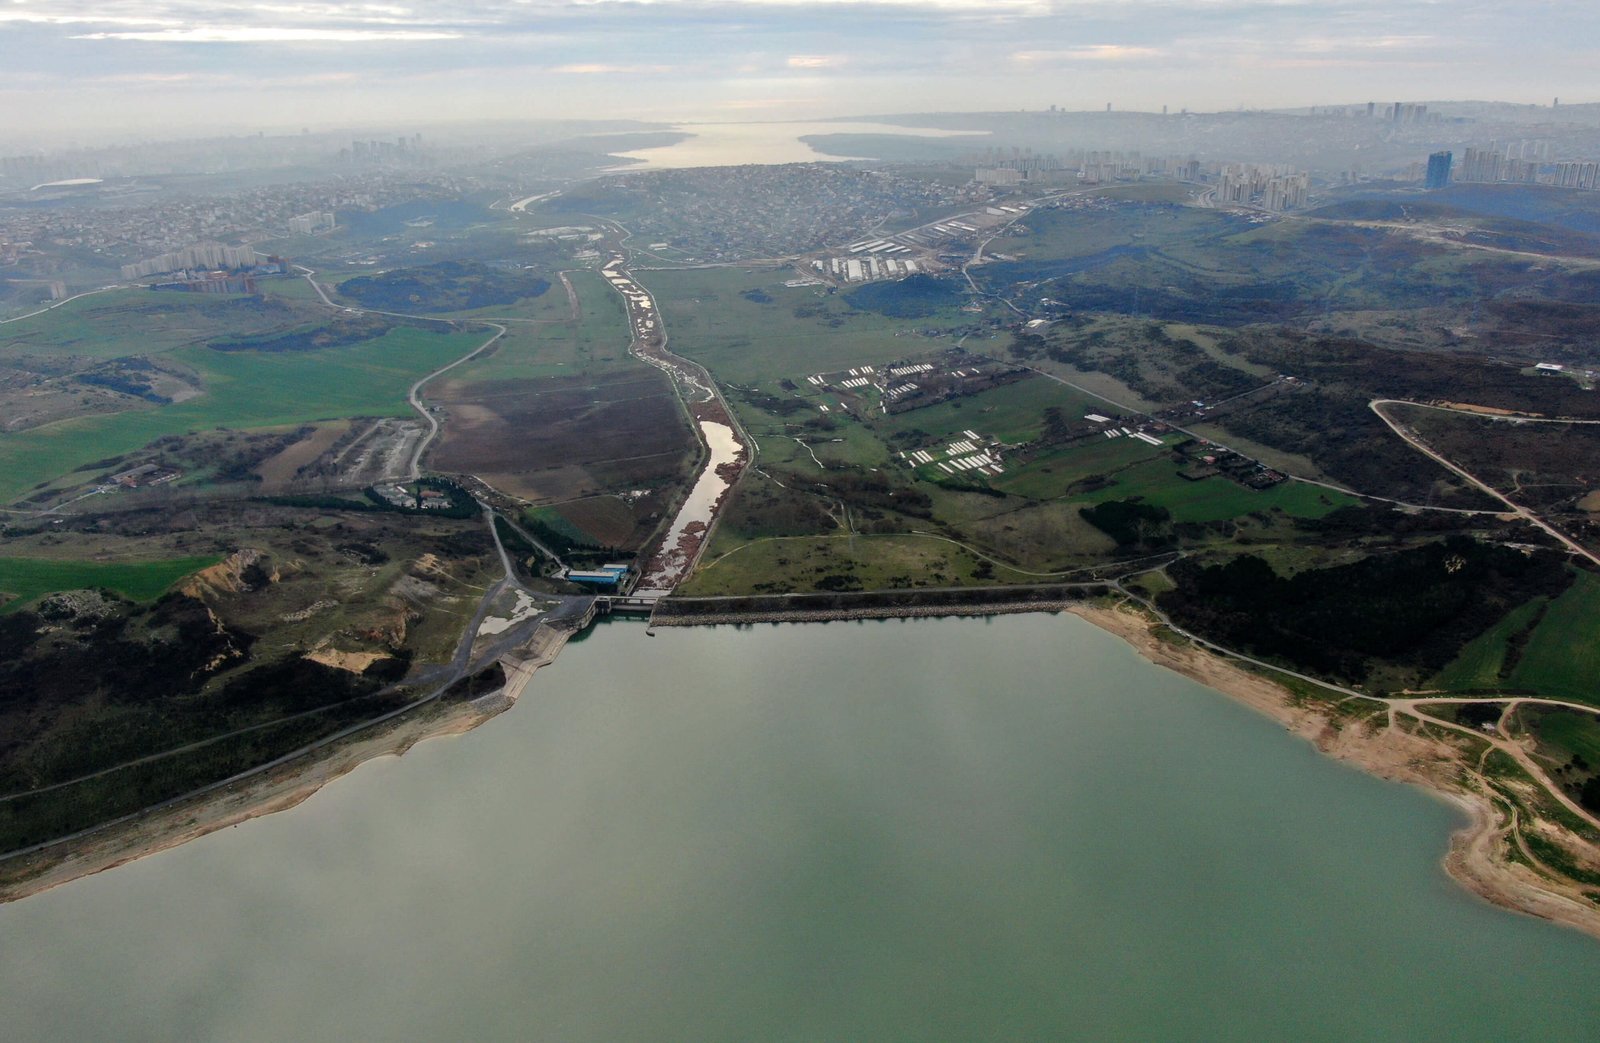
[[1377, 404], [1500, 741]]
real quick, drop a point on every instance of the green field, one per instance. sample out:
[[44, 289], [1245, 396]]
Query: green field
[[291, 287], [26, 579], [1569, 731], [142, 322], [243, 389], [1075, 233], [1049, 474], [1217, 498], [746, 341], [1478, 665], [1012, 412], [597, 342], [1562, 659]]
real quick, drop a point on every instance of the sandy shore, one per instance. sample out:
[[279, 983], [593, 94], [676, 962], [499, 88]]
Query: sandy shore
[[1479, 852]]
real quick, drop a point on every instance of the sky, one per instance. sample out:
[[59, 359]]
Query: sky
[[79, 68]]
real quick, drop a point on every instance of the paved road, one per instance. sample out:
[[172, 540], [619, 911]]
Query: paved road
[[56, 304], [414, 396], [310, 276], [539, 544]]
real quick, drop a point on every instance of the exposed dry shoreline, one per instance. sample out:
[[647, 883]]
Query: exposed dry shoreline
[[1477, 857]]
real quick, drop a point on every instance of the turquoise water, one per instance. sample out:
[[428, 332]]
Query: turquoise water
[[932, 829]]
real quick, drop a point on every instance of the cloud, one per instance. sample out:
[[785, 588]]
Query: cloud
[[987, 7], [31, 17], [826, 57], [271, 34], [604, 69], [1328, 44], [1100, 52]]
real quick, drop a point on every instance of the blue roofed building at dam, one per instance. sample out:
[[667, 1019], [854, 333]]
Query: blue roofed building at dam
[[612, 576]]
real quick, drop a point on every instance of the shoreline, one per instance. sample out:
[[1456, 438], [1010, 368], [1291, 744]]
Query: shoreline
[[1477, 857], [273, 791]]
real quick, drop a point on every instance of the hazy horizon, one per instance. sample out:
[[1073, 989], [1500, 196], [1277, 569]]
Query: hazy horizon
[[80, 68]]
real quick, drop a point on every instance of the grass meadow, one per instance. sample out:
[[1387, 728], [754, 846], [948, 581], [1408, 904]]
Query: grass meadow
[[27, 579], [243, 390], [1561, 657], [746, 340]]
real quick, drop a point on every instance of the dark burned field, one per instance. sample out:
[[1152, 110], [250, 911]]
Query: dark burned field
[[567, 437]]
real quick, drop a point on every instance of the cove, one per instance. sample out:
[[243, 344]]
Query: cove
[[908, 829]]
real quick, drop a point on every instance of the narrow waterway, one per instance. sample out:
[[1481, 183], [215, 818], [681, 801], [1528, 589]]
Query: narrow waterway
[[682, 541], [924, 829]]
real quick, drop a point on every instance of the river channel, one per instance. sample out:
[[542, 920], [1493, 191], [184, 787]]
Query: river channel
[[925, 829], [676, 557]]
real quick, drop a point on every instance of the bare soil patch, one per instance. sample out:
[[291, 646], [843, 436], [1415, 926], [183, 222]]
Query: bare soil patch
[[1467, 407], [353, 662], [611, 521], [278, 472], [568, 437]]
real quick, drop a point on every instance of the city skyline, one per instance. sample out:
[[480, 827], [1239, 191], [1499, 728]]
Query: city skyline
[[79, 68]]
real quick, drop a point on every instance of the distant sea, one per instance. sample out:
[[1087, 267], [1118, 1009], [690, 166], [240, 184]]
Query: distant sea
[[732, 144]]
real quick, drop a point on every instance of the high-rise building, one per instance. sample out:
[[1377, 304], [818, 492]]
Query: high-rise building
[[312, 223], [202, 256], [1439, 170]]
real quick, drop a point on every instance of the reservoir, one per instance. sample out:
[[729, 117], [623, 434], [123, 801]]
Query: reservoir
[[942, 829]]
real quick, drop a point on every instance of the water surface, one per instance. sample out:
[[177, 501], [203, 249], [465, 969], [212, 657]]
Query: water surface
[[697, 509], [731, 144], [930, 830]]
